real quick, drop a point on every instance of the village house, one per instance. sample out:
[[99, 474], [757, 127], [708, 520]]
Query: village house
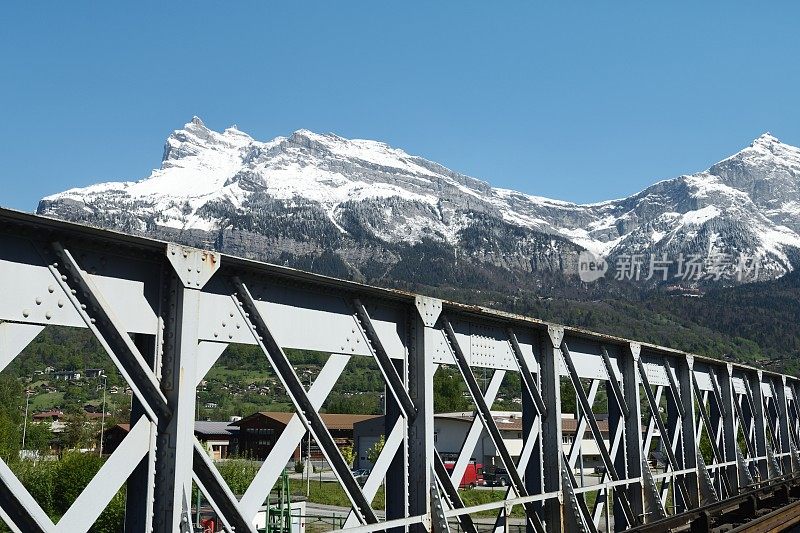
[[259, 432]]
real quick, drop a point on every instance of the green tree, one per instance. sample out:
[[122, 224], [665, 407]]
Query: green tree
[[448, 391], [11, 398], [348, 454], [38, 437], [238, 473], [375, 450], [76, 432], [75, 471]]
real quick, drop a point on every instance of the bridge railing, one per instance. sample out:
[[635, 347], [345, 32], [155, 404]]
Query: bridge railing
[[164, 314]]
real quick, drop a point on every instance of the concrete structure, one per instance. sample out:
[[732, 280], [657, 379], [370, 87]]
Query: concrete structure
[[164, 313]]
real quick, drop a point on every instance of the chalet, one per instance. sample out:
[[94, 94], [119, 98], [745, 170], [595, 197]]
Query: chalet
[[52, 415], [67, 375], [214, 436], [259, 432]]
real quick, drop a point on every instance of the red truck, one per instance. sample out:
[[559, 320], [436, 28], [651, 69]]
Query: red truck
[[473, 475]]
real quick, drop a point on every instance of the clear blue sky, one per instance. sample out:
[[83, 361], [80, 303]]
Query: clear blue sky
[[583, 102]]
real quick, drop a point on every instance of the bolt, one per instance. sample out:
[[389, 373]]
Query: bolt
[[26, 313], [61, 303], [38, 301], [48, 315], [51, 289]]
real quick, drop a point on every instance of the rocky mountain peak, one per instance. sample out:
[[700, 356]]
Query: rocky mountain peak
[[372, 205]]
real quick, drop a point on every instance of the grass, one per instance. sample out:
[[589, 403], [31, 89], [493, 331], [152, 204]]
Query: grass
[[472, 497], [239, 473], [48, 400], [329, 493]]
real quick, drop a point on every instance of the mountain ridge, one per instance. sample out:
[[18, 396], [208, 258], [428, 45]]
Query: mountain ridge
[[374, 207]]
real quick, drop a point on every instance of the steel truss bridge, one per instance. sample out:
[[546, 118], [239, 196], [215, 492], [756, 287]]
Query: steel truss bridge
[[164, 313]]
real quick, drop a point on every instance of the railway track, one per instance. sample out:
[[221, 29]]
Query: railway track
[[767, 507], [785, 518]]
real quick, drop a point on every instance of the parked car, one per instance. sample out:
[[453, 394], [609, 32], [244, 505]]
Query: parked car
[[497, 477], [361, 475]]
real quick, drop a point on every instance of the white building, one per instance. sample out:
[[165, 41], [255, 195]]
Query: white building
[[450, 432]]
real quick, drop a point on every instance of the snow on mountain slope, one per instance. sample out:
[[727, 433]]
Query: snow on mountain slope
[[310, 192]]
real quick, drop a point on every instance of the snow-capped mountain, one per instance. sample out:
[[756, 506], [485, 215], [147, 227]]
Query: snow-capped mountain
[[364, 209]]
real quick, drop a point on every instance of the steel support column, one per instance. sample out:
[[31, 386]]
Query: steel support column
[[174, 463], [684, 369], [140, 487], [630, 461], [783, 424], [531, 416], [420, 431], [729, 443], [551, 460], [397, 475], [757, 400]]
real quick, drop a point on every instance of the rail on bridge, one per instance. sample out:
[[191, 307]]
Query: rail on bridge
[[164, 313]]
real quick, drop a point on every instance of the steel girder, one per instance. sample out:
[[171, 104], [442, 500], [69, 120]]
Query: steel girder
[[164, 313]]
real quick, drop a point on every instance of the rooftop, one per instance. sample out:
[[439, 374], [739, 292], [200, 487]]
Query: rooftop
[[331, 420]]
